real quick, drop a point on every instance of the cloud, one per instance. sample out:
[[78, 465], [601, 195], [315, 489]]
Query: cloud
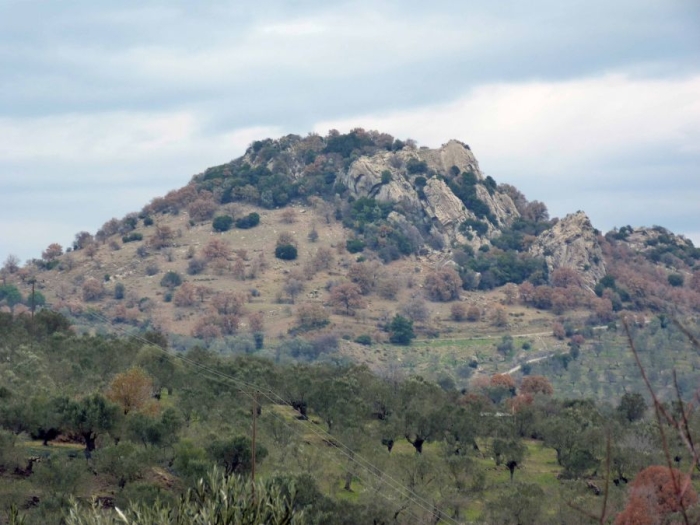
[[573, 141], [113, 142]]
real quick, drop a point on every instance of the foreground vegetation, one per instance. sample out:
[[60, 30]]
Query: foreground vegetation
[[92, 422]]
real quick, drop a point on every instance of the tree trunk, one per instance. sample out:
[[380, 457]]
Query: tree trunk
[[348, 481]]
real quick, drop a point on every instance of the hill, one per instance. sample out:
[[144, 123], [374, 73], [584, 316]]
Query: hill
[[309, 248]]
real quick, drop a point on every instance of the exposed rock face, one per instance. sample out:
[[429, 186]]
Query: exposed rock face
[[644, 239], [454, 153], [572, 243], [438, 204]]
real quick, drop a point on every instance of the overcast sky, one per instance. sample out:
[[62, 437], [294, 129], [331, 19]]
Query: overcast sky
[[104, 105]]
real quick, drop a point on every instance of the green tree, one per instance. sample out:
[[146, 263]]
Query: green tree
[[235, 454], [90, 417], [632, 406], [520, 504], [401, 330], [509, 452]]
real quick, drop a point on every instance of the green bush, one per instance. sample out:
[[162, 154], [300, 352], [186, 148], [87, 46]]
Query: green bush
[[10, 294], [355, 245], [222, 223], [249, 221], [171, 280], [364, 339], [415, 166], [675, 279], [286, 252], [401, 330], [131, 237]]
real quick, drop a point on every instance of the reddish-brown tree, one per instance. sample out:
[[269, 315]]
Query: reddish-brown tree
[[256, 322], [564, 277], [656, 492], [312, 315], [536, 385], [347, 298], [226, 303], [93, 289], [443, 285], [217, 249], [53, 251], [202, 209], [458, 312], [186, 295]]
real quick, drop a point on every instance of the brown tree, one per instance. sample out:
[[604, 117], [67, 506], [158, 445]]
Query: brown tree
[[202, 209], [131, 390], [207, 328], [499, 316], [655, 493], [163, 236], [536, 385], [93, 289], [312, 315], [238, 269], [11, 264], [226, 303], [186, 295], [217, 249], [323, 259], [91, 249], [458, 312], [564, 277], [53, 251], [363, 275], [443, 284], [473, 314], [256, 322], [347, 298], [293, 287], [288, 216]]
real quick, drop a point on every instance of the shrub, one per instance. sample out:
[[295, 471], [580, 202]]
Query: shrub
[[148, 221], [119, 290], [458, 312], [249, 221], [675, 279], [171, 280], [131, 237], [355, 245], [415, 166], [222, 223], [364, 339], [92, 289], [196, 266], [152, 269], [286, 252], [386, 177]]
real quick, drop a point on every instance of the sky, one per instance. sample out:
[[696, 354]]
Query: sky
[[590, 106]]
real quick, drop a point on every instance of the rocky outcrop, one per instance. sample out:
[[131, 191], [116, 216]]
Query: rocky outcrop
[[572, 243], [454, 153], [644, 239], [367, 177]]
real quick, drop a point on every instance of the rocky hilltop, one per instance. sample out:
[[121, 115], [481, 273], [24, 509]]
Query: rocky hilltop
[[357, 224], [572, 243]]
